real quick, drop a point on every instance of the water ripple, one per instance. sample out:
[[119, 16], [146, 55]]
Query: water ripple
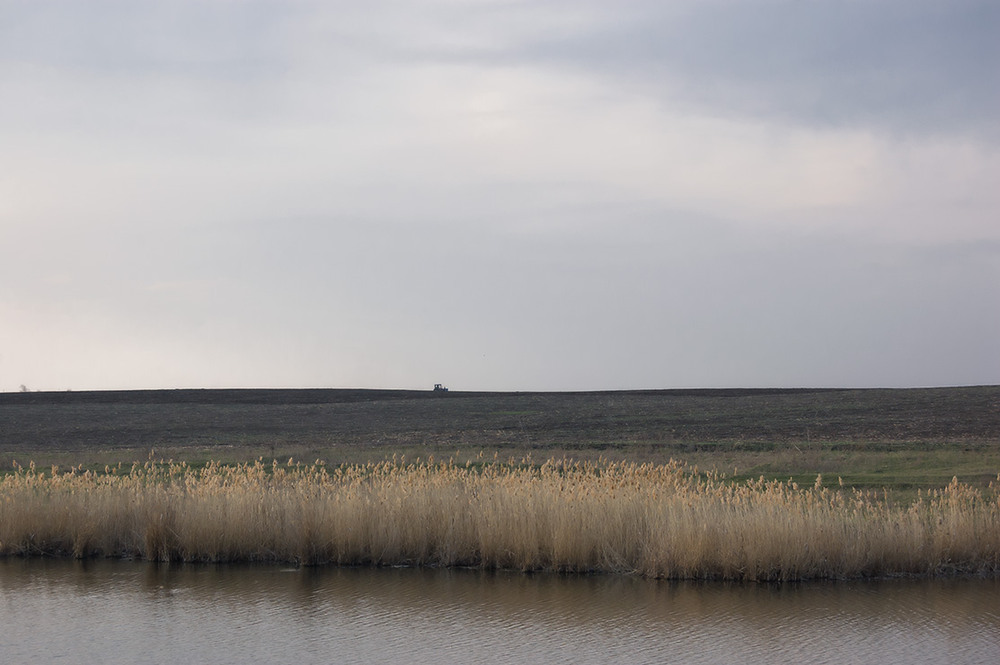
[[127, 612]]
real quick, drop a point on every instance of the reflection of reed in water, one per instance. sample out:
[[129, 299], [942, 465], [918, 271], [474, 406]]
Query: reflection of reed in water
[[654, 520]]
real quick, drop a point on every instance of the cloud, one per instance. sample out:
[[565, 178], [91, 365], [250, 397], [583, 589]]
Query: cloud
[[906, 68], [690, 105], [506, 195]]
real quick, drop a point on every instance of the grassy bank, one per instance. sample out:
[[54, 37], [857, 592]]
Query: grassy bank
[[658, 520]]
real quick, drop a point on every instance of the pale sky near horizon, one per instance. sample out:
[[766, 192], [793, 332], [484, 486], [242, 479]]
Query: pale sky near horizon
[[499, 195]]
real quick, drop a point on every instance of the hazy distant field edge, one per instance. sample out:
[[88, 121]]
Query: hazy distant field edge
[[342, 395]]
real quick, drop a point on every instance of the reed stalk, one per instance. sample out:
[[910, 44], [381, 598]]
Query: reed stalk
[[661, 521]]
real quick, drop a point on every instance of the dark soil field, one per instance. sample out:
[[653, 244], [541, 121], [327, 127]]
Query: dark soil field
[[870, 438]]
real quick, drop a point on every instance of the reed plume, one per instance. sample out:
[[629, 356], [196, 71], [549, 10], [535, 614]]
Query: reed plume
[[662, 521]]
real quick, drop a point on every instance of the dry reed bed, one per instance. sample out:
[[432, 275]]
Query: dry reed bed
[[655, 520]]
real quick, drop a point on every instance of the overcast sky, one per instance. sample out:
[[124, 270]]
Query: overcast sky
[[499, 195]]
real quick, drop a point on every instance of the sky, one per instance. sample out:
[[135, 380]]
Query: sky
[[499, 195]]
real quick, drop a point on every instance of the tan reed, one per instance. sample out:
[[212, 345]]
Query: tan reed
[[662, 521]]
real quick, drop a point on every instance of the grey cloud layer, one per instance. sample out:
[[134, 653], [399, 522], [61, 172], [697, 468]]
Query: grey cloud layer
[[500, 195], [898, 66], [906, 67]]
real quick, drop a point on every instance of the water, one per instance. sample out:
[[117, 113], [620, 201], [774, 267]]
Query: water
[[130, 612]]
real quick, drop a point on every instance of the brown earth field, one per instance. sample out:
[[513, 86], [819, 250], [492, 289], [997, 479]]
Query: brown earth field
[[899, 439]]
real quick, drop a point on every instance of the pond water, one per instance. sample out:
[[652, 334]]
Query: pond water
[[59, 611]]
